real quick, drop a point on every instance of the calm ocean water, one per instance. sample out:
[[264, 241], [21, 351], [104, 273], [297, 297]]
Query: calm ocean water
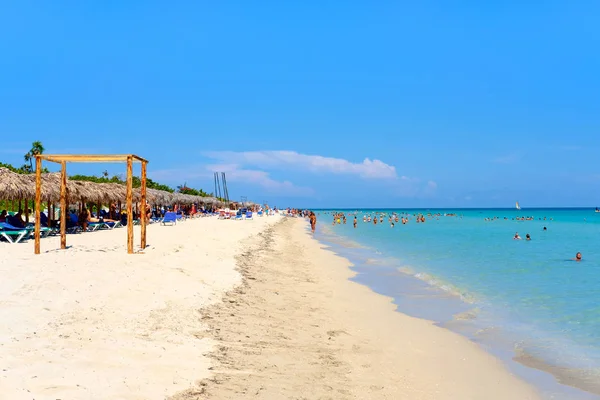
[[526, 299]]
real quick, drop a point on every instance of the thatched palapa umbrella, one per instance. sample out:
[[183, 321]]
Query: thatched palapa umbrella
[[14, 186]]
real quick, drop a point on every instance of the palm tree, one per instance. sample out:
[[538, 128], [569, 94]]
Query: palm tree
[[36, 148]]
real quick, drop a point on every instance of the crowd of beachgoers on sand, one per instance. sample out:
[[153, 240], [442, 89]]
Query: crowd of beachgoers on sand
[[18, 226]]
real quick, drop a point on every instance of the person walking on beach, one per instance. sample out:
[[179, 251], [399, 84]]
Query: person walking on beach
[[313, 221]]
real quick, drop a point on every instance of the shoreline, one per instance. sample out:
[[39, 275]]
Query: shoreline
[[415, 295], [298, 327]]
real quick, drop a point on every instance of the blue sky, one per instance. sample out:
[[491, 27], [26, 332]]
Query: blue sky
[[319, 104]]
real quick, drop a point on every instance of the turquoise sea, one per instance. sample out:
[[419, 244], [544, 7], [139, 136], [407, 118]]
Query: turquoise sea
[[528, 302]]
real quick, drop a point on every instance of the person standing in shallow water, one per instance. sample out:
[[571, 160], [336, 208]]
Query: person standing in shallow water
[[355, 221], [313, 221]]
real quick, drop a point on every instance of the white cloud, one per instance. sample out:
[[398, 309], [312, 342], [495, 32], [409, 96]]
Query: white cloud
[[260, 178], [372, 169], [253, 167], [234, 174]]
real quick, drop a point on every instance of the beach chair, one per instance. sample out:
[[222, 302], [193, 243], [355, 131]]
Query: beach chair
[[112, 224], [249, 215], [260, 213], [170, 218], [94, 226], [44, 230], [14, 237], [13, 234]]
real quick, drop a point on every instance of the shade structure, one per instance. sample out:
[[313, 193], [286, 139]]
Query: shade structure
[[88, 191], [14, 186]]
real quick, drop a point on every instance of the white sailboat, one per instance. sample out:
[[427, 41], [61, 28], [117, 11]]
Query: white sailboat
[[518, 206]]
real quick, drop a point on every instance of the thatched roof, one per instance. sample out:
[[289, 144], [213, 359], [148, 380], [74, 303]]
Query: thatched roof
[[12, 185], [15, 186]]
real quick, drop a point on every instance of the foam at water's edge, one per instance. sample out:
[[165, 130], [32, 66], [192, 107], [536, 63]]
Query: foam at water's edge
[[440, 284]]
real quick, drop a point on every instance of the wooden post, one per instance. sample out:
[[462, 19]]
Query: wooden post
[[144, 216], [27, 208], [129, 205], [63, 205], [50, 214], [38, 202]]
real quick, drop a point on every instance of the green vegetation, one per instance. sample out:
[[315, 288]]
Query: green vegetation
[[136, 182], [191, 191], [38, 148]]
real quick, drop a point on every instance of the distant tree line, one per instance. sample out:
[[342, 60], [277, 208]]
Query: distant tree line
[[38, 148]]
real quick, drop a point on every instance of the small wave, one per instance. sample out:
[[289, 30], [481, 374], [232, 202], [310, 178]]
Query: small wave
[[439, 284], [468, 315]]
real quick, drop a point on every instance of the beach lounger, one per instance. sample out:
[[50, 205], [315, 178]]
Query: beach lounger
[[73, 229], [14, 237], [13, 234], [170, 218], [249, 215], [94, 226], [112, 224], [44, 230]]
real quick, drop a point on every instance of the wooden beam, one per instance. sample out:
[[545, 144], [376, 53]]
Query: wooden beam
[[38, 202], [143, 216], [58, 158], [130, 205], [63, 205], [50, 214]]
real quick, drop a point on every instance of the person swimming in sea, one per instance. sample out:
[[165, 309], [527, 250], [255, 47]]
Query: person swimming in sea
[[527, 237], [517, 237], [577, 257]]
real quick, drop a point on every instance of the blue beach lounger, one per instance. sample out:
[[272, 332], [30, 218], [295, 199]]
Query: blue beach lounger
[[170, 218]]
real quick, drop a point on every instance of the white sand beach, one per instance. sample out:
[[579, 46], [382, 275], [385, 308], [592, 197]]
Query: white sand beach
[[224, 310], [93, 322]]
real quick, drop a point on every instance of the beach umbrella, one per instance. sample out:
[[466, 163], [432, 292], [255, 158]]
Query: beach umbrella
[[14, 186]]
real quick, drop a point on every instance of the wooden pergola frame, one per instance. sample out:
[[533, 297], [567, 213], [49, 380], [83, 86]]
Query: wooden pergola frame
[[62, 159]]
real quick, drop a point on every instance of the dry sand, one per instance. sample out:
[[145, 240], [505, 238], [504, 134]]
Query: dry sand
[[95, 323]]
